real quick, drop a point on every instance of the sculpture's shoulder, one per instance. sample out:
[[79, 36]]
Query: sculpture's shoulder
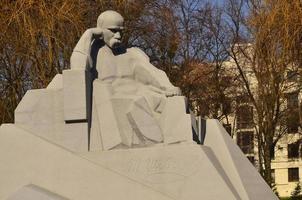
[[137, 53]]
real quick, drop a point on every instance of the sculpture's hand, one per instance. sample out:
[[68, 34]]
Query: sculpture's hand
[[173, 91], [96, 32]]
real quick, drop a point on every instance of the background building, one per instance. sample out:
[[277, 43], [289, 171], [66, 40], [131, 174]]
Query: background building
[[286, 157]]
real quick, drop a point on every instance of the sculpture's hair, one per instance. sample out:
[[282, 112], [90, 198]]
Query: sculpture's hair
[[108, 16]]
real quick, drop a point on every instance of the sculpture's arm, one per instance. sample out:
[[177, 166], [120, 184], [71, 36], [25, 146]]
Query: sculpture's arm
[[155, 78], [80, 57]]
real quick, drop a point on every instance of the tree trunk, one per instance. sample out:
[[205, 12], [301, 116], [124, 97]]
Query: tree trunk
[[267, 175]]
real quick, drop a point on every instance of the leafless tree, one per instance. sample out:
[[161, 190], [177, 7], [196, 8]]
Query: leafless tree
[[262, 51]]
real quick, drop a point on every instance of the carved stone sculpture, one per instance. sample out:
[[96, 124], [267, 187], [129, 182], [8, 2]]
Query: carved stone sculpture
[[65, 141], [130, 94]]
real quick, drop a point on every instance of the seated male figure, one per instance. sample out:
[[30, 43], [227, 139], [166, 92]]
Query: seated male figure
[[130, 95]]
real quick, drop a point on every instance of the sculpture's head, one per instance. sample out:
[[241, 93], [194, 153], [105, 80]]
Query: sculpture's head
[[112, 24]]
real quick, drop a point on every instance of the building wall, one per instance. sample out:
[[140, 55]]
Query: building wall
[[281, 163]]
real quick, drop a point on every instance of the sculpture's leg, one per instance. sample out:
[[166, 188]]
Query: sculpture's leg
[[121, 105], [155, 101], [143, 121], [105, 117], [95, 143], [135, 119]]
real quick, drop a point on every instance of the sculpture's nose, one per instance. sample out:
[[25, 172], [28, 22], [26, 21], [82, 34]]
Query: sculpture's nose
[[118, 35]]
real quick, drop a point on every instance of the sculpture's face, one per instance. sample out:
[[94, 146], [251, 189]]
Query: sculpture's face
[[113, 37], [112, 24]]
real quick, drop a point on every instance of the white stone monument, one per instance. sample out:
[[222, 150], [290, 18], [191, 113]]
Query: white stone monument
[[114, 127]]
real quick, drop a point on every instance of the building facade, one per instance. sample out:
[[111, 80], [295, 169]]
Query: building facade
[[287, 156]]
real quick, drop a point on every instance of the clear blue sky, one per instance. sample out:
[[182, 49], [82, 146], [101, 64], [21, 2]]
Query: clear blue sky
[[219, 1]]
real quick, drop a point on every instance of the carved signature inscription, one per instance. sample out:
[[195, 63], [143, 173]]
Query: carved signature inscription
[[159, 169]]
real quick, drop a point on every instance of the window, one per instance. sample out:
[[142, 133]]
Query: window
[[273, 176], [293, 174], [228, 128], [245, 141], [245, 117], [293, 150], [293, 112]]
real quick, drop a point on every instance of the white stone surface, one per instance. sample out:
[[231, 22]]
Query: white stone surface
[[175, 123], [41, 112], [241, 173], [136, 94], [121, 107], [95, 142], [177, 171], [27, 159], [32, 192], [27, 106], [56, 82], [74, 95], [144, 123], [107, 123]]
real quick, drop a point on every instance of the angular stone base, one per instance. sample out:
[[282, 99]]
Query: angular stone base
[[184, 171], [179, 171]]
